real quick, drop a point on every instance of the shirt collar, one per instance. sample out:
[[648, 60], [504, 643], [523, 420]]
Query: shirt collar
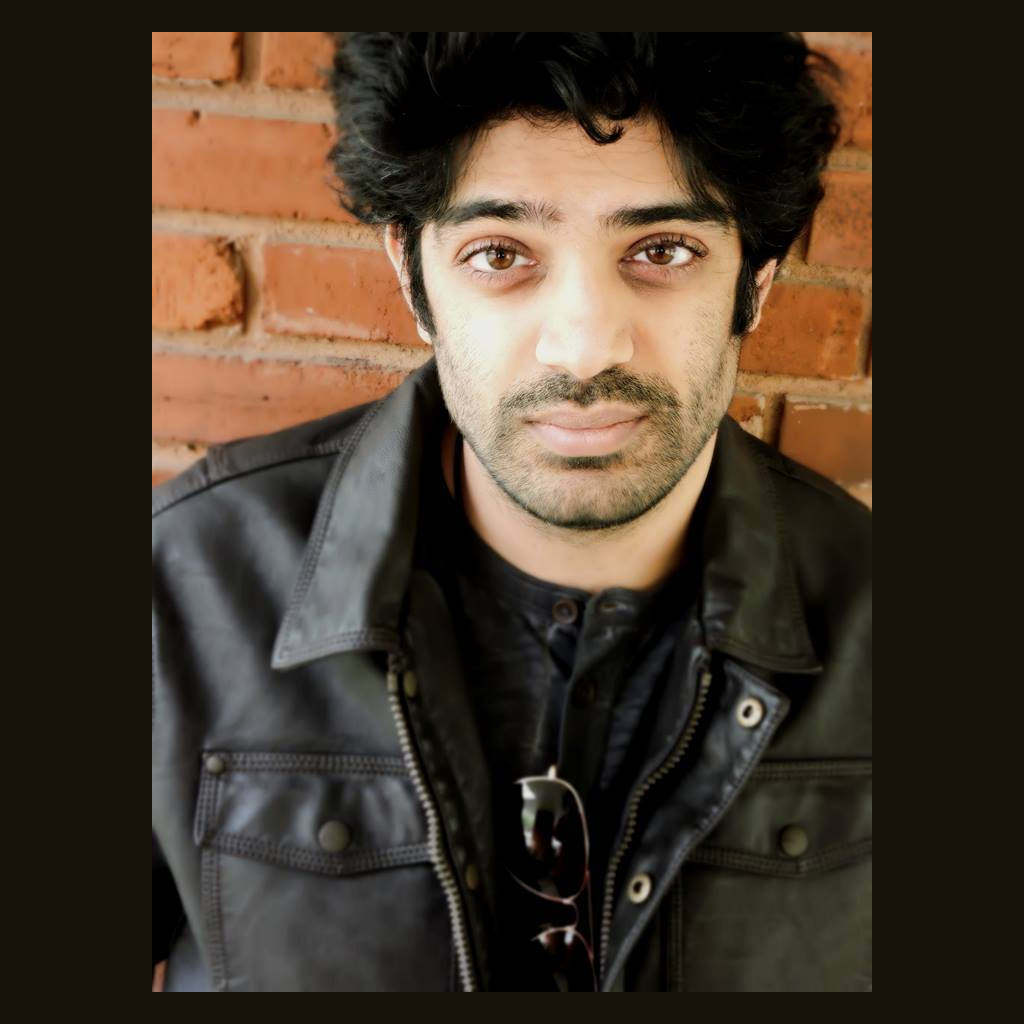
[[355, 570]]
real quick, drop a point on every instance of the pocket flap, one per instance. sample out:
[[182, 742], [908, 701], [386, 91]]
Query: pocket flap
[[333, 814], [795, 818]]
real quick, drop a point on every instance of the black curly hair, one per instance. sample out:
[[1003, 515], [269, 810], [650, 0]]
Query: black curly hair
[[747, 112]]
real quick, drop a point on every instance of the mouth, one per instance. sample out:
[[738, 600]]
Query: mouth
[[580, 434]]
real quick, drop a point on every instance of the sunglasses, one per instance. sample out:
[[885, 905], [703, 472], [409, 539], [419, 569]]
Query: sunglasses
[[553, 863]]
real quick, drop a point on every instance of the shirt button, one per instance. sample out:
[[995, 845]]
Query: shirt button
[[610, 606], [639, 888], [584, 694], [564, 611], [215, 764], [793, 840], [334, 836], [472, 877]]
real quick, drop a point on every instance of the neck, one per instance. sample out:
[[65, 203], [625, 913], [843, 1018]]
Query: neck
[[637, 556]]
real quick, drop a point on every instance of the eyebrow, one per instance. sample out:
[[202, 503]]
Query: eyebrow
[[544, 214]]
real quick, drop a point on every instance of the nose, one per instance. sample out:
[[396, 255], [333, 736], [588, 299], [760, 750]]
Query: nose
[[585, 327]]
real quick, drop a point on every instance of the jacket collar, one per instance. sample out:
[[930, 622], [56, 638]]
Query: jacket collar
[[355, 571]]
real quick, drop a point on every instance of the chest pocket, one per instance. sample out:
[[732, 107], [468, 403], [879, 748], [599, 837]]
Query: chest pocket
[[778, 897], [316, 875]]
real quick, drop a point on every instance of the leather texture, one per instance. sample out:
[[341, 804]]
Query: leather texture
[[284, 587]]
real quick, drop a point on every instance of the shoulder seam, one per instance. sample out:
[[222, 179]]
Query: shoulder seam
[[208, 482], [778, 464], [214, 469]]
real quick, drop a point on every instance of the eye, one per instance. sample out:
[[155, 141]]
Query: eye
[[662, 255], [495, 258], [666, 253]]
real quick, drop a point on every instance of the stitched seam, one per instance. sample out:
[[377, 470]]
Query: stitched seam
[[772, 660], [210, 867], [778, 771], [319, 764], [781, 468], [204, 805], [828, 857], [271, 459], [207, 869], [377, 636], [320, 529], [322, 863], [169, 501]]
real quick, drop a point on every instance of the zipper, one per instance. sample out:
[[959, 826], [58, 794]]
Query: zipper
[[633, 814], [442, 867]]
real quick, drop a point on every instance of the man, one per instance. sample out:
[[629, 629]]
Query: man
[[547, 556]]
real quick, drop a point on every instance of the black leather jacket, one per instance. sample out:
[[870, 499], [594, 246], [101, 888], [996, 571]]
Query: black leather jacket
[[321, 817]]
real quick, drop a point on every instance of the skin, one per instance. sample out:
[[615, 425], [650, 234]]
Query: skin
[[574, 314]]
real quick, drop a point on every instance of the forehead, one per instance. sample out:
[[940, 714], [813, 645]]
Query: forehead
[[561, 167]]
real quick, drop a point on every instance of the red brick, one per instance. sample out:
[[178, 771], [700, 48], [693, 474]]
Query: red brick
[[295, 60], [806, 330], [833, 439], [341, 293], [214, 56], [196, 283], [243, 165], [216, 399], [748, 412], [841, 228], [854, 96]]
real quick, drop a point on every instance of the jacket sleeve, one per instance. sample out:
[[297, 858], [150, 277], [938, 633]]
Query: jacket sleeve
[[168, 912]]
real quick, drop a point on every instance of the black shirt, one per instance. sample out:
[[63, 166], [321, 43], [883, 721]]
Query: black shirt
[[556, 676]]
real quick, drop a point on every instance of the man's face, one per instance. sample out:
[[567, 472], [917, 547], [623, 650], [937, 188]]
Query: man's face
[[583, 342]]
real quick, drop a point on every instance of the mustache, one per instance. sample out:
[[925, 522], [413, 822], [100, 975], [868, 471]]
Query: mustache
[[647, 391]]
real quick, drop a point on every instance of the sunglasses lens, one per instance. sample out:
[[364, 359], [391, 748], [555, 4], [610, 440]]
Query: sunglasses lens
[[552, 858], [568, 959]]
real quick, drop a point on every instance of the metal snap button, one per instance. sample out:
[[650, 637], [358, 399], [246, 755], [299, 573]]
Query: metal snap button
[[749, 712], [215, 764], [472, 877], [564, 611], [334, 836], [793, 840], [410, 685], [639, 888]]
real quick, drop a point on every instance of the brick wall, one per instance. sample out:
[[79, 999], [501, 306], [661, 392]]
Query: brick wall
[[272, 306]]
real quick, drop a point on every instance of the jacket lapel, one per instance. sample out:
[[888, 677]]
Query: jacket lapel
[[355, 572]]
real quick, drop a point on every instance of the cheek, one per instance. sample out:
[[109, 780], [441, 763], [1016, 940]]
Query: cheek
[[495, 344]]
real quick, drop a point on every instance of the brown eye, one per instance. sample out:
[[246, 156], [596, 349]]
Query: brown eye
[[660, 255], [500, 259]]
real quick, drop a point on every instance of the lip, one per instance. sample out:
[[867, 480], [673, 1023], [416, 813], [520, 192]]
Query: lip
[[587, 419], [586, 440]]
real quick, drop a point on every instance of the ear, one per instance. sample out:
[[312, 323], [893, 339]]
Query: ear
[[396, 253], [763, 279]]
